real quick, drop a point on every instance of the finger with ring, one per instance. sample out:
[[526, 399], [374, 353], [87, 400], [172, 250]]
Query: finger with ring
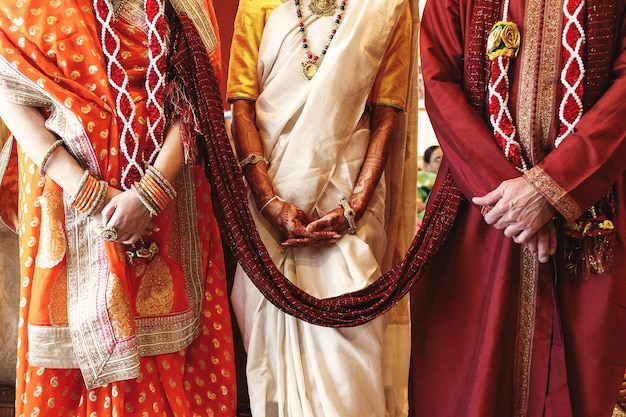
[[109, 234]]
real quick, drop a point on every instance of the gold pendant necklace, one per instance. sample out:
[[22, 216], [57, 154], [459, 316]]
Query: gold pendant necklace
[[312, 64], [322, 7], [309, 68]]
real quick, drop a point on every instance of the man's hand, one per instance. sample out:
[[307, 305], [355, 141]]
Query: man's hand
[[523, 214]]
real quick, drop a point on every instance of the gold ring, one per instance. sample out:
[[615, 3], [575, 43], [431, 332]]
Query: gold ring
[[109, 234]]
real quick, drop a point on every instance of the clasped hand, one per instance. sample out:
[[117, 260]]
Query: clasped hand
[[523, 214], [130, 218], [300, 230]]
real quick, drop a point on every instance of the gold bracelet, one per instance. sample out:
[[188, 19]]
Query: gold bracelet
[[253, 158], [81, 184], [44, 161], [267, 203], [349, 214]]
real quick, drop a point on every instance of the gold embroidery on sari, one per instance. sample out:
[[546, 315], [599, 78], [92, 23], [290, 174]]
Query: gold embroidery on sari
[[156, 291], [58, 299], [119, 308], [52, 240]]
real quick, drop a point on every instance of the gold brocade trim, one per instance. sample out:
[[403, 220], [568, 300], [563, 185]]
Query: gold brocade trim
[[196, 12], [525, 330], [133, 12], [536, 101], [554, 193], [535, 119]]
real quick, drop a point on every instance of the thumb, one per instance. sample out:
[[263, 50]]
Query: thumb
[[488, 199]]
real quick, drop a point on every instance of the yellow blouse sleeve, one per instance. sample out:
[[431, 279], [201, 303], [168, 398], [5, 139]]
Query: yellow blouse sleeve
[[243, 80], [391, 84]]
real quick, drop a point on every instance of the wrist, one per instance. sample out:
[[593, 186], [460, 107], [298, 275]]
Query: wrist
[[349, 213]]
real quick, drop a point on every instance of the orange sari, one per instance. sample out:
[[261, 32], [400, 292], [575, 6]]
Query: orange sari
[[100, 334]]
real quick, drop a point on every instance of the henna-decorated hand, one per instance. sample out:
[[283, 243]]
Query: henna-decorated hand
[[292, 223], [334, 221]]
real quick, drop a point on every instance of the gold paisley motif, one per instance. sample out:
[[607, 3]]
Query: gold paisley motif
[[119, 308], [156, 291], [58, 299], [52, 241]]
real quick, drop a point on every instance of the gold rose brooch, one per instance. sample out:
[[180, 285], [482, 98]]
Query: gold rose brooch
[[504, 40]]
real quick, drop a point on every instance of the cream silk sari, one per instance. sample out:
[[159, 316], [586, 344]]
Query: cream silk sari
[[316, 134]]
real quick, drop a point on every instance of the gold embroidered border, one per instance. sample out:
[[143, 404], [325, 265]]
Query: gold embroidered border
[[535, 112], [194, 9], [554, 193], [525, 329], [548, 76], [536, 101], [133, 12]]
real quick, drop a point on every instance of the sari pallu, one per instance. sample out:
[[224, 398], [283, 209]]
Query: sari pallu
[[85, 306]]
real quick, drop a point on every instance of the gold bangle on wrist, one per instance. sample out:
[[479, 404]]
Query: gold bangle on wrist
[[267, 203], [253, 158], [154, 191], [349, 214], [90, 195], [44, 161]]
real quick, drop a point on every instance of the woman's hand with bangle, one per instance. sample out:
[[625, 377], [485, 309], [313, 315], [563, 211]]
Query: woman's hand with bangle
[[292, 223], [334, 221]]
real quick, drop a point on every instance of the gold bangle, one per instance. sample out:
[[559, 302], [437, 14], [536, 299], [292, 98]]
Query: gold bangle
[[44, 161], [267, 203], [349, 214], [253, 158], [81, 184], [167, 187]]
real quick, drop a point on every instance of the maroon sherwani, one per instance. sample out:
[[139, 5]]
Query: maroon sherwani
[[495, 333]]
